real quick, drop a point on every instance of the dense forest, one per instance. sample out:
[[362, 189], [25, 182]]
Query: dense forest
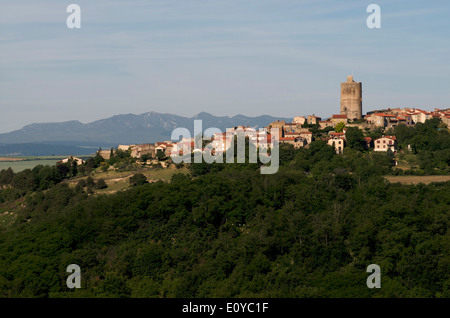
[[226, 230]]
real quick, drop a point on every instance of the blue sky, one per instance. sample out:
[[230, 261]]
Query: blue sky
[[226, 57]]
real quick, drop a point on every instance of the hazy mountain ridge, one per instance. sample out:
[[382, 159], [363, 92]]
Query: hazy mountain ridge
[[119, 129]]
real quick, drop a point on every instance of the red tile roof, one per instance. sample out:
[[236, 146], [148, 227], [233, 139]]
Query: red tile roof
[[390, 137], [383, 115]]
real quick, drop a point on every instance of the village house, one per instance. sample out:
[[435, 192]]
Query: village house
[[337, 134], [125, 147], [261, 139], [338, 143], [361, 126], [72, 159], [335, 119], [140, 150], [325, 123], [279, 124], [307, 135], [381, 120], [405, 119], [299, 120], [297, 142], [165, 147], [221, 142], [264, 141], [420, 116], [385, 142], [183, 147], [292, 128], [446, 120], [313, 120], [105, 154], [292, 134]]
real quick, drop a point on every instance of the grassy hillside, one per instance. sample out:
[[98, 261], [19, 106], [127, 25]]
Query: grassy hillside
[[118, 181]]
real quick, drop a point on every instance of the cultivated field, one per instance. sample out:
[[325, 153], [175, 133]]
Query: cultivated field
[[2, 159], [417, 179], [20, 164]]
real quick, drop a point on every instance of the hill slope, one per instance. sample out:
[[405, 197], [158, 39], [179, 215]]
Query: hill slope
[[124, 129]]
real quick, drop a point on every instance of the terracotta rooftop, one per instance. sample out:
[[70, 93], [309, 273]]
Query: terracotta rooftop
[[390, 137], [384, 115]]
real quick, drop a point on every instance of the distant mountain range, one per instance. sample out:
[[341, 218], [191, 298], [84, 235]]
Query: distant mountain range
[[74, 137]]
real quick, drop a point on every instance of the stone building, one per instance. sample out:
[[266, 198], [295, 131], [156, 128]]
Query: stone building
[[351, 98], [386, 142], [297, 142], [279, 124], [299, 120], [338, 143], [336, 119], [313, 120]]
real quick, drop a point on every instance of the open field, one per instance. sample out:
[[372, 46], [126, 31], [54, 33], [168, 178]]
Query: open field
[[20, 165], [2, 159], [417, 179]]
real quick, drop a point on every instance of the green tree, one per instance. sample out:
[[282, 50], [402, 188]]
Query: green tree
[[98, 159], [6, 176], [146, 157], [73, 168], [138, 179], [339, 127], [101, 184], [90, 184], [161, 155], [90, 165], [355, 138]]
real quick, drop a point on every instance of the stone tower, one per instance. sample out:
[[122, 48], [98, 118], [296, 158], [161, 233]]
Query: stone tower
[[351, 98]]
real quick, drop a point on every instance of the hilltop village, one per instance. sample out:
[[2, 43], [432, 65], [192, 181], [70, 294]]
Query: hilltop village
[[305, 129], [351, 191]]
